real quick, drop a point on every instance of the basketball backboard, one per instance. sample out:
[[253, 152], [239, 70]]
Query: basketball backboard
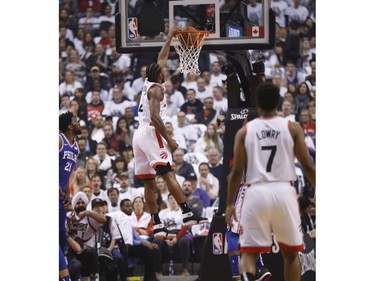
[[141, 26]]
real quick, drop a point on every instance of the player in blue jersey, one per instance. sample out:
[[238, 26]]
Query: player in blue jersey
[[68, 152]]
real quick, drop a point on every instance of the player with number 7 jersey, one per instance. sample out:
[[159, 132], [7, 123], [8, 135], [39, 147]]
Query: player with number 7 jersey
[[271, 146], [268, 145]]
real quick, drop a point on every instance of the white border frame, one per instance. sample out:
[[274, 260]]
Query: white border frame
[[212, 40]]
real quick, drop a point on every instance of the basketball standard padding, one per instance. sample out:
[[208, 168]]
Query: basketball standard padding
[[215, 263], [150, 20]]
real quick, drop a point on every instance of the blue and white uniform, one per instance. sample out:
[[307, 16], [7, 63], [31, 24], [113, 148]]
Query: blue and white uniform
[[67, 160]]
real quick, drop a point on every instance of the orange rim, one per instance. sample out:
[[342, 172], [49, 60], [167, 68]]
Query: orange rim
[[187, 31], [201, 34]]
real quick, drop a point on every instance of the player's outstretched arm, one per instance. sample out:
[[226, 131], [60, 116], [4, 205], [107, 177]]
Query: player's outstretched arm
[[164, 53], [301, 152]]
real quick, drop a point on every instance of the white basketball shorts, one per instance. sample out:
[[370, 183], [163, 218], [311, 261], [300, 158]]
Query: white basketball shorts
[[270, 207], [150, 150]]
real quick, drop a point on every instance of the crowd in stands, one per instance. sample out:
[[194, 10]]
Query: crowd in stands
[[102, 88]]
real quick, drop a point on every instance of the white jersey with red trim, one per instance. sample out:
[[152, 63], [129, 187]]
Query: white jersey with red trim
[[144, 113], [270, 151], [82, 230]]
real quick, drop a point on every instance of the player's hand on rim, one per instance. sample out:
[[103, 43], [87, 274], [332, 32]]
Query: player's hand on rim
[[172, 31]]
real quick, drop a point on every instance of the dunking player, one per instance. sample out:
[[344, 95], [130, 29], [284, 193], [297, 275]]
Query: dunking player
[[262, 273], [68, 151], [269, 145], [153, 147]]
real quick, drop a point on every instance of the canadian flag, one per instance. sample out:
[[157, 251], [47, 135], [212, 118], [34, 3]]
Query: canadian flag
[[255, 31]]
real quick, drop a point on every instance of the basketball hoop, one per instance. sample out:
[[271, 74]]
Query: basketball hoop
[[188, 44]]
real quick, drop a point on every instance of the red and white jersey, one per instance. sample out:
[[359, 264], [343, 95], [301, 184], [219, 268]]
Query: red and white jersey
[[144, 104], [142, 221], [81, 230], [270, 151]]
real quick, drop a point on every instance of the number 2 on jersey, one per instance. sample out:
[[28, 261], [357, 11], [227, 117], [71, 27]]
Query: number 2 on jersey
[[272, 156], [68, 166]]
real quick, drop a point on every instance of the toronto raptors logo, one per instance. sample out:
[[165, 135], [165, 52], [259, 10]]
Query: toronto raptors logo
[[163, 155]]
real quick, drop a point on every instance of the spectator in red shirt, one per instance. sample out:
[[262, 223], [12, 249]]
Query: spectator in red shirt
[[95, 107], [307, 124], [95, 4]]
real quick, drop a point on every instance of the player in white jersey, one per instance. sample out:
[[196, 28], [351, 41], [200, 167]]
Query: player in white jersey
[[153, 146], [268, 145]]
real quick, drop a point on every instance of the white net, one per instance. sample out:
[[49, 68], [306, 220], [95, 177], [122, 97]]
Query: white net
[[188, 45]]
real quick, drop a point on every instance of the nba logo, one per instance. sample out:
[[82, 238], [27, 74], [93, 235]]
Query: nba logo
[[132, 28], [217, 243]]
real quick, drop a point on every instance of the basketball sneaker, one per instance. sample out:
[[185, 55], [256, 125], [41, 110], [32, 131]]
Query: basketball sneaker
[[191, 219], [263, 274], [160, 232]]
